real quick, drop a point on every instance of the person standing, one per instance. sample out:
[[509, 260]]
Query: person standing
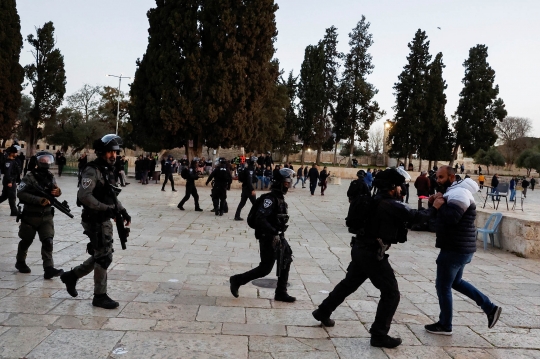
[[368, 178], [168, 172], [37, 215], [323, 178], [495, 184], [313, 175], [152, 167], [532, 182], [270, 220], [462, 168], [306, 170], [98, 199], [222, 181], [259, 173], [12, 173], [481, 180], [384, 226], [190, 175], [268, 161], [358, 186], [512, 189], [145, 169], [300, 176], [267, 177], [81, 165], [422, 185], [61, 163], [248, 192], [525, 185], [455, 212]]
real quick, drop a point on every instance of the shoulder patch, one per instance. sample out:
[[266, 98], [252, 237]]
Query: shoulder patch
[[8, 164], [21, 186], [267, 203], [86, 182]]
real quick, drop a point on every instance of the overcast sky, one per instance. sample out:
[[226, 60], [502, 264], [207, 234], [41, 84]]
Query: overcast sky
[[106, 37]]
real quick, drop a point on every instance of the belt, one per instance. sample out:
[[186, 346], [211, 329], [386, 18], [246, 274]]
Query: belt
[[37, 214]]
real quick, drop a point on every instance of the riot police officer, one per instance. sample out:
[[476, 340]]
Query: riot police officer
[[358, 186], [12, 173], [222, 180], [97, 195], [248, 192], [37, 216], [190, 175], [385, 225], [168, 172], [269, 219]]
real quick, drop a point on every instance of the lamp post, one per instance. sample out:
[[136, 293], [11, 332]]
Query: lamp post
[[387, 125], [118, 107]]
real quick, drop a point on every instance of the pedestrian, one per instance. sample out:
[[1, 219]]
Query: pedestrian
[[259, 173], [525, 185], [462, 168], [37, 215], [300, 176], [432, 182], [385, 225], [313, 175], [270, 222], [267, 177], [323, 178], [422, 185], [481, 180], [306, 170], [248, 192], [145, 169], [455, 212], [512, 189], [222, 180], [12, 173], [168, 173], [138, 168], [494, 185], [479, 170], [268, 161], [152, 167], [61, 163], [208, 166], [532, 182], [368, 178], [99, 201], [190, 175], [358, 186]]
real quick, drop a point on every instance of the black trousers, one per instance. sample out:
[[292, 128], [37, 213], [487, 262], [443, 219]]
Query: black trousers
[[312, 185], [168, 177], [243, 200], [60, 170], [10, 193], [265, 267], [191, 190], [365, 265], [219, 196]]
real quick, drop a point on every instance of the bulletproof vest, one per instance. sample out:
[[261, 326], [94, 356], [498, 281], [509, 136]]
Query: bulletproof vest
[[383, 225], [101, 191], [221, 175]]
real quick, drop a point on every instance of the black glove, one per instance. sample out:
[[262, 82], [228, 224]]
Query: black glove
[[126, 216], [110, 212]]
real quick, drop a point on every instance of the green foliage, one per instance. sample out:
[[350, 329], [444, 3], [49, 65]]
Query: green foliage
[[11, 72], [286, 144], [47, 78], [357, 151], [491, 157], [410, 119], [479, 108], [529, 159], [206, 73]]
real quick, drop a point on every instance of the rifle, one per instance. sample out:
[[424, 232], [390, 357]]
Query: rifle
[[123, 232], [62, 207], [283, 254]]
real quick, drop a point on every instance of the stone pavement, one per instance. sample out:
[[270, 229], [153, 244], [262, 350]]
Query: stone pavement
[[172, 285]]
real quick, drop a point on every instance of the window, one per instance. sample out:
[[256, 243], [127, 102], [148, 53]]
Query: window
[[22, 145], [47, 146], [37, 147], [54, 148]]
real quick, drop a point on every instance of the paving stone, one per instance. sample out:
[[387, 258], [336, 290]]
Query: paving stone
[[280, 316], [19, 341], [357, 348], [276, 345], [462, 337], [306, 332], [468, 353], [30, 320], [404, 352], [129, 324], [159, 311], [84, 308], [254, 329], [514, 353], [221, 314], [79, 322], [178, 326], [243, 302]]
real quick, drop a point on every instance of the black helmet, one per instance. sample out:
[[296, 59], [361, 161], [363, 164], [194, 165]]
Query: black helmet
[[12, 149], [222, 160], [284, 175], [361, 174], [44, 160], [253, 159], [388, 179], [108, 143]]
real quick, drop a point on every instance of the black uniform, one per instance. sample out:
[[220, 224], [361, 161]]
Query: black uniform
[[247, 189], [167, 169], [61, 163], [356, 188], [388, 225], [190, 175], [222, 180], [12, 173]]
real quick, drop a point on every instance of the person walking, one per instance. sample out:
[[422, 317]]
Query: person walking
[[481, 180], [495, 184], [267, 176], [300, 176], [323, 178], [222, 180], [61, 163], [12, 173], [190, 175], [313, 175], [167, 169], [512, 189], [532, 182], [455, 212], [368, 178], [422, 185], [248, 192], [525, 185]]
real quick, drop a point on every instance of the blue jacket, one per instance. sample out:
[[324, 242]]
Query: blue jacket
[[368, 178]]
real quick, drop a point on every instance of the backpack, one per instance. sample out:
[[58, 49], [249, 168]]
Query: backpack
[[253, 211], [358, 214], [185, 173]]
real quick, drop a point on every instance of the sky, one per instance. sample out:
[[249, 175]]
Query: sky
[[106, 37]]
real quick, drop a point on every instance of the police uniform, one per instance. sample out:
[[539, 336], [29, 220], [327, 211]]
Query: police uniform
[[369, 261], [222, 180], [12, 173], [191, 176], [247, 189], [37, 217], [168, 172], [268, 225], [358, 187]]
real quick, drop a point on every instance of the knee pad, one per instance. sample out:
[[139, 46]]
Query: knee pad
[[104, 261], [47, 244]]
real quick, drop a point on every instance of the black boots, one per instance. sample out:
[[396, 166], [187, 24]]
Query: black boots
[[234, 286], [198, 209], [70, 280], [22, 267], [181, 206], [326, 321], [284, 297], [104, 301], [51, 272], [385, 341]]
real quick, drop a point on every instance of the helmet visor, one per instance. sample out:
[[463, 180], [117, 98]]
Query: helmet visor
[[45, 159], [110, 137]]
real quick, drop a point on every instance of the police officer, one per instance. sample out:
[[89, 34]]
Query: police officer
[[248, 192], [222, 180], [168, 172], [385, 226], [358, 186], [190, 175], [37, 215], [12, 173], [97, 195], [269, 223]]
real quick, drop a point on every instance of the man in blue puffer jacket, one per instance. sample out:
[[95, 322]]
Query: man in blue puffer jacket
[[456, 237]]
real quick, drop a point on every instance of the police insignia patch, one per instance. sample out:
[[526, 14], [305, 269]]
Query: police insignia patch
[[267, 203], [86, 182], [21, 186]]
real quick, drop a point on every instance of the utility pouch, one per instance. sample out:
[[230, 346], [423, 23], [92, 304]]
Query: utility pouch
[[381, 250]]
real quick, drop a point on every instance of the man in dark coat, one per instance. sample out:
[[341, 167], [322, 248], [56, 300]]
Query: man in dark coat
[[313, 175], [422, 184]]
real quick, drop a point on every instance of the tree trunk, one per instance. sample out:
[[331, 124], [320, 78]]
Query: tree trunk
[[454, 155], [420, 164], [335, 154], [429, 165], [318, 159], [351, 153], [302, 159]]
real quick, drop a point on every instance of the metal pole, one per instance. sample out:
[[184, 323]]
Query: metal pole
[[118, 107]]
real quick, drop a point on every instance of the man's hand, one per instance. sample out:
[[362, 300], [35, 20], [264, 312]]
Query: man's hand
[[56, 192], [44, 202], [253, 193], [10, 185], [438, 202], [126, 216], [433, 197]]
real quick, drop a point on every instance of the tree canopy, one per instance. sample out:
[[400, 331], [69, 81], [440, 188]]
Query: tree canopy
[[491, 157]]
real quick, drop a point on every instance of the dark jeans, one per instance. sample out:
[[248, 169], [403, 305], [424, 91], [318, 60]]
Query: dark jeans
[[144, 179], [191, 190], [265, 267], [60, 170], [324, 186], [10, 193], [450, 267], [243, 201], [300, 179], [168, 177], [312, 185], [219, 197], [365, 265]]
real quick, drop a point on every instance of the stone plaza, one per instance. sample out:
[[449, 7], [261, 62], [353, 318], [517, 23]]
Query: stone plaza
[[172, 285]]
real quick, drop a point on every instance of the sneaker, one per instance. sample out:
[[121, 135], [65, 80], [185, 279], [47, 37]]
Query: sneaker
[[436, 328], [493, 317], [51, 272], [234, 286], [104, 301], [326, 321], [22, 267], [385, 342], [284, 297]]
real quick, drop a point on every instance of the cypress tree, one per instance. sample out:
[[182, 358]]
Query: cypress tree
[[11, 72], [479, 108], [410, 110]]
